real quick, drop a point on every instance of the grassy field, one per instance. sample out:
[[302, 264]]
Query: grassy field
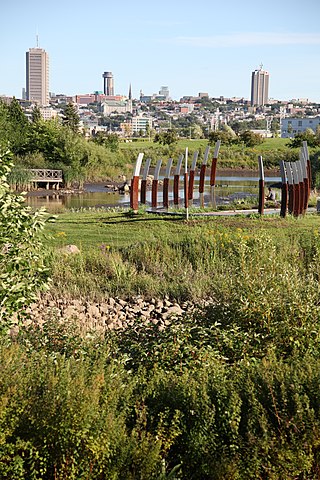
[[195, 144], [154, 255], [91, 229], [234, 156]]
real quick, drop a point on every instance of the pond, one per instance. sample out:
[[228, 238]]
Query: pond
[[228, 189]]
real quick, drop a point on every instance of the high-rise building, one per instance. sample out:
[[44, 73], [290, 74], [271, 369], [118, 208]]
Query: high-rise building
[[164, 92], [108, 86], [37, 76], [259, 87]]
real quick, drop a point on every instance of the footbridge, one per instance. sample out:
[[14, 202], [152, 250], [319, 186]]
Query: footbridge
[[51, 178]]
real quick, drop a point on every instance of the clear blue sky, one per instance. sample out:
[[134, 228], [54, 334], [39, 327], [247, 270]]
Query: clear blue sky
[[190, 46]]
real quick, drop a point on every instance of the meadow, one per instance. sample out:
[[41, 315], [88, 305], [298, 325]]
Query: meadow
[[231, 392]]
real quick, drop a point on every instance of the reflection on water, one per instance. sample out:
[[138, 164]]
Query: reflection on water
[[227, 190]]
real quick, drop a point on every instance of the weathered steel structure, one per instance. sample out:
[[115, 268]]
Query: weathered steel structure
[[295, 182]]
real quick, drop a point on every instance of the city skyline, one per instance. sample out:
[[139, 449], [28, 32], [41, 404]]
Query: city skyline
[[208, 48]]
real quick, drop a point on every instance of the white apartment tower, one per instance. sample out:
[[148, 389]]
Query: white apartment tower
[[37, 76], [259, 87]]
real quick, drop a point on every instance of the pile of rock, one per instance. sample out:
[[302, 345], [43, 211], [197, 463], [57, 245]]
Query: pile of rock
[[114, 313]]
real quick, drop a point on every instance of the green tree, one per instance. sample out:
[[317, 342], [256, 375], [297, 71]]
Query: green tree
[[14, 127], [71, 117], [275, 127], [197, 131], [112, 142], [36, 114], [250, 139], [225, 137], [166, 138], [308, 136], [22, 266]]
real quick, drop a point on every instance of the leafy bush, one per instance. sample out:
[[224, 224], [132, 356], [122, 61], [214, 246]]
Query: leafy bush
[[22, 266]]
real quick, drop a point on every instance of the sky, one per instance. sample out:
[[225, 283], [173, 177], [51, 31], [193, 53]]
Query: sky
[[190, 46]]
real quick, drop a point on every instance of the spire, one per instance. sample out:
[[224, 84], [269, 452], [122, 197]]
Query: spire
[[130, 94]]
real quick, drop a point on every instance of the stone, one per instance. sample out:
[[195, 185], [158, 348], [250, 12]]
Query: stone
[[111, 301], [104, 308], [70, 312], [93, 311], [70, 249], [175, 310]]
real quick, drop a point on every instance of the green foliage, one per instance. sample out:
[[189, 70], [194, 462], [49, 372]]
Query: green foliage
[[309, 136], [22, 267], [110, 141], [14, 127], [225, 137], [36, 114], [228, 137], [231, 391], [71, 118], [250, 139], [166, 138]]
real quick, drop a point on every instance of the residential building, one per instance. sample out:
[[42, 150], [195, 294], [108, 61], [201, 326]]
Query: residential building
[[259, 88], [136, 125], [48, 113], [140, 123], [290, 126], [37, 76]]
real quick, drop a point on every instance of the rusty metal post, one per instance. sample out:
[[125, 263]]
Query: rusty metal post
[[305, 179], [203, 176], [155, 183], [306, 152], [186, 185], [166, 181], [301, 186], [192, 174], [134, 191], [213, 173], [284, 190], [261, 186], [176, 180], [296, 189], [291, 191], [143, 189]]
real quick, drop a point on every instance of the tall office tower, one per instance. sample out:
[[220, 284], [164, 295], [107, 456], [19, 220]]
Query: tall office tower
[[37, 76], [108, 87], [259, 87]]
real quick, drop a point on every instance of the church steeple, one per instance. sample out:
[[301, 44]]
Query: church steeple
[[130, 94]]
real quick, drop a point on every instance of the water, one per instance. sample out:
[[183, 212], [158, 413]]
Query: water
[[228, 189]]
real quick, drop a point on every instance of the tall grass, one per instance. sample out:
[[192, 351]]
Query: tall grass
[[188, 262], [230, 393]]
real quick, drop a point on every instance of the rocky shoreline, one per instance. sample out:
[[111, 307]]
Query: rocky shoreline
[[112, 314]]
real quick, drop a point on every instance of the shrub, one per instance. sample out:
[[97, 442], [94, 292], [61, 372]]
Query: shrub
[[22, 266]]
